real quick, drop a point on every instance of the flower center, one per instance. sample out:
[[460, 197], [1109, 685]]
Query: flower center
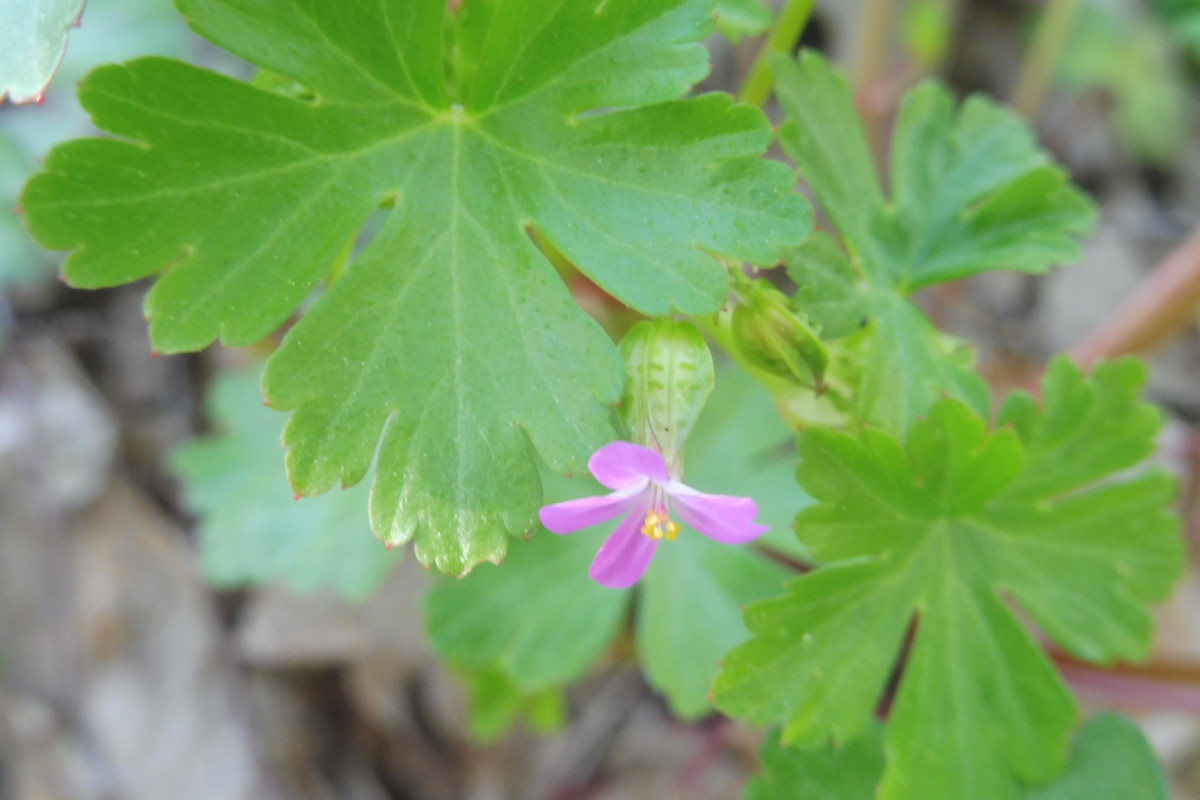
[[659, 526]]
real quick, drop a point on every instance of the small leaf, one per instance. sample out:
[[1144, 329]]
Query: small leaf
[[538, 618], [907, 365], [496, 703], [971, 192], [738, 18], [938, 535], [848, 771], [824, 137], [828, 290], [689, 615], [251, 529], [1112, 761], [33, 38]]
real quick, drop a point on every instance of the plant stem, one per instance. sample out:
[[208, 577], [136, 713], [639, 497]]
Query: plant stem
[[1048, 42], [1160, 683], [871, 47], [784, 35], [1158, 310], [872, 50]]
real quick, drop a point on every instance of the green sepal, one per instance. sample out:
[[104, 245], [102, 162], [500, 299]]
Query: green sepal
[[670, 375], [771, 337]]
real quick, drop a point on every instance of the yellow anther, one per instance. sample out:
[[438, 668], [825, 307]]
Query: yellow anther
[[659, 526]]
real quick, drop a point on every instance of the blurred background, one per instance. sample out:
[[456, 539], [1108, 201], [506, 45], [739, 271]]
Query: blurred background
[[172, 627]]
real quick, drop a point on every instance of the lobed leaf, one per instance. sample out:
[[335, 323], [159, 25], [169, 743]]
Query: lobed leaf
[[250, 529], [538, 619], [448, 351], [846, 772], [496, 704], [970, 189], [738, 18], [971, 192], [33, 39], [1111, 761], [927, 541]]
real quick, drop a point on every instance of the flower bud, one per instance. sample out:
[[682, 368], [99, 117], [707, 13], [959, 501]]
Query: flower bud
[[670, 375], [771, 337]]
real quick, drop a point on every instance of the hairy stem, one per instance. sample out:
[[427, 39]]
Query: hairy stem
[[1048, 43], [782, 38]]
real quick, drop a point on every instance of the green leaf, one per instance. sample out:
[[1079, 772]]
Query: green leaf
[[1182, 18], [738, 18], [537, 618], [1112, 761], [687, 614], [846, 772], [971, 190], [740, 446], [907, 365], [690, 615], [1084, 430], [449, 350], [113, 30], [496, 703], [828, 290], [20, 260], [251, 529], [927, 27], [940, 532], [33, 38]]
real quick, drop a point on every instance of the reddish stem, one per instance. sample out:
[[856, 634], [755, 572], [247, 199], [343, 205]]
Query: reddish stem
[[1161, 683], [1162, 307]]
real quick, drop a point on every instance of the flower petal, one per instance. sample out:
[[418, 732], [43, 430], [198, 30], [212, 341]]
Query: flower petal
[[720, 517], [622, 465], [571, 515], [625, 555]]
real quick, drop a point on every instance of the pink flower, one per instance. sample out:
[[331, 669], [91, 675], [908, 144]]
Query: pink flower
[[646, 492]]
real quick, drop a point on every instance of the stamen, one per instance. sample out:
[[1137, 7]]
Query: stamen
[[659, 526]]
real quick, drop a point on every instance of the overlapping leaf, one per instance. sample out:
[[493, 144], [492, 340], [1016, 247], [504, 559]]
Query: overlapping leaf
[[849, 771], [450, 336], [1111, 761], [970, 192], [936, 534], [540, 620], [537, 618], [738, 18], [497, 703], [251, 530], [33, 38]]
